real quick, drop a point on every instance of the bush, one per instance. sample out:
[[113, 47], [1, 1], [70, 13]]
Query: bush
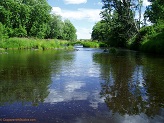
[[90, 44], [149, 39], [1, 31], [154, 44], [19, 32], [137, 40]]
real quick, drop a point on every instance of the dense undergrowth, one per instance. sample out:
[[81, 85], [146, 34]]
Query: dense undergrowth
[[149, 39]]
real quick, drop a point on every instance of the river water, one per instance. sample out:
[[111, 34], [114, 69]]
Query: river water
[[84, 86]]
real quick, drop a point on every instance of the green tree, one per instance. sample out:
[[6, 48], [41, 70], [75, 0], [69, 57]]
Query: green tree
[[56, 27], [69, 31], [120, 17], [30, 16], [155, 11], [39, 19], [22, 18], [100, 31]]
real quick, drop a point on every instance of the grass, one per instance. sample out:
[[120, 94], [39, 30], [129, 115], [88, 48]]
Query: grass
[[89, 44], [44, 44], [31, 43]]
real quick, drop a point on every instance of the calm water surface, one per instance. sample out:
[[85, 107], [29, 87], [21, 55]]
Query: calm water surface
[[85, 86]]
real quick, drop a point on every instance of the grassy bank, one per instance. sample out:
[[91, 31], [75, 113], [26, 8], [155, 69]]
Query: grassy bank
[[90, 44], [30, 43], [150, 39]]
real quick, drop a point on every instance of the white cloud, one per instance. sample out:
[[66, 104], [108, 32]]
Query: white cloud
[[56, 10], [83, 16], [146, 3], [75, 1], [79, 14], [83, 33]]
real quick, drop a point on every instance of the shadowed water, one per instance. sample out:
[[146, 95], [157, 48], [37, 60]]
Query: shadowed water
[[84, 86]]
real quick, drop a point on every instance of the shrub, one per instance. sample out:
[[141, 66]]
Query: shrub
[[145, 32], [19, 32], [149, 39]]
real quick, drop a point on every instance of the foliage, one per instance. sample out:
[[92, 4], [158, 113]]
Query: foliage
[[100, 31], [32, 18], [136, 41], [56, 27], [25, 43], [93, 44], [149, 39], [20, 32], [90, 44], [69, 31], [155, 11], [118, 23], [1, 31]]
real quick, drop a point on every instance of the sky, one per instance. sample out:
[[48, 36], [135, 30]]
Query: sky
[[83, 14]]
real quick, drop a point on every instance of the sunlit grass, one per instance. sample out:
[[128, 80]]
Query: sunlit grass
[[31, 43]]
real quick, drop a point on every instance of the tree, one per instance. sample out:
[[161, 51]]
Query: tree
[[120, 17], [155, 11], [30, 15], [32, 18], [69, 31], [39, 19], [56, 27], [100, 31]]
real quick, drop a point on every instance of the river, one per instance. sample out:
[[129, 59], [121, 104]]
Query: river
[[84, 86]]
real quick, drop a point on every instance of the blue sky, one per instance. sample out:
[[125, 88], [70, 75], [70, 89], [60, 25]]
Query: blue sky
[[83, 14]]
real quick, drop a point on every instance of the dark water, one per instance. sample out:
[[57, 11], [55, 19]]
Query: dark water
[[85, 86]]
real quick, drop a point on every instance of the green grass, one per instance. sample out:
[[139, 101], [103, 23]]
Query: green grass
[[30, 43], [89, 43], [153, 44], [44, 44]]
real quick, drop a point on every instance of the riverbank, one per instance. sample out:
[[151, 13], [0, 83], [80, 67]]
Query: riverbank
[[32, 43], [44, 44], [150, 39], [89, 43]]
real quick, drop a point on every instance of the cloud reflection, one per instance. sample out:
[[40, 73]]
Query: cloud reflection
[[72, 86], [70, 91]]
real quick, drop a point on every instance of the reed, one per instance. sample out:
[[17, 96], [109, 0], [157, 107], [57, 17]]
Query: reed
[[32, 43]]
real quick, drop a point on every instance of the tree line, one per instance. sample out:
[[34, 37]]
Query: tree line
[[33, 18], [120, 27]]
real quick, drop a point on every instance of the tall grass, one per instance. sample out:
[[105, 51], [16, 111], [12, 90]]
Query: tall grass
[[29, 43], [89, 43]]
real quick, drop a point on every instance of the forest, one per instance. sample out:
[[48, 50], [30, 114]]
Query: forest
[[33, 18], [119, 26]]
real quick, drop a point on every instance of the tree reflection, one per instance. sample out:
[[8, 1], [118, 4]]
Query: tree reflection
[[126, 86], [25, 76]]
